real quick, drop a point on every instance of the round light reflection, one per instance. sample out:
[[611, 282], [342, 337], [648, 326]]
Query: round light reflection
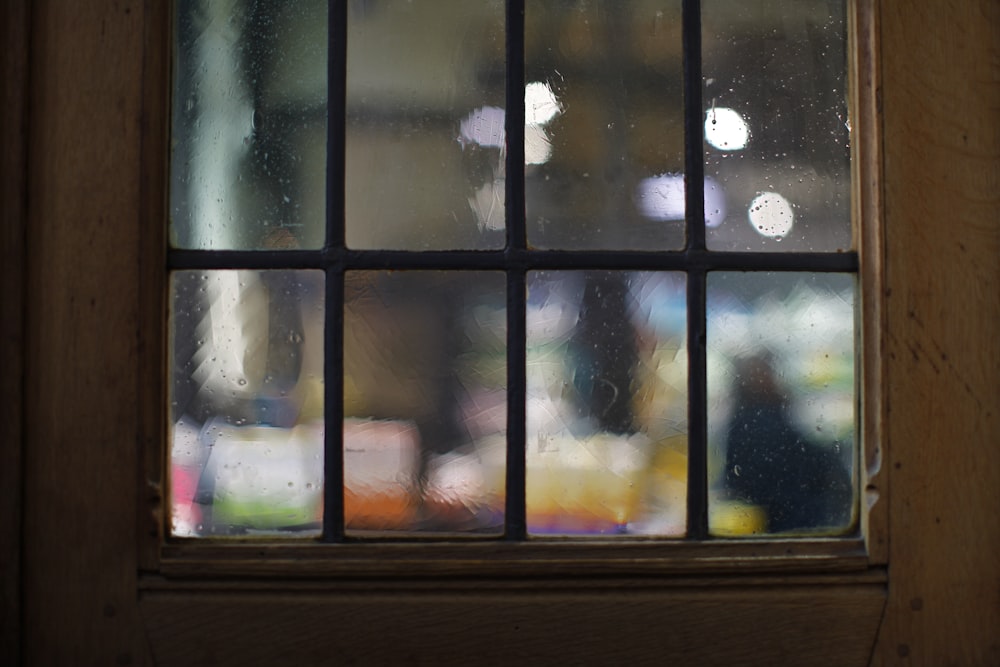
[[771, 215], [726, 130]]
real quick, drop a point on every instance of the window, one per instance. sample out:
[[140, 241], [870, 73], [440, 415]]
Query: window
[[549, 283], [94, 369]]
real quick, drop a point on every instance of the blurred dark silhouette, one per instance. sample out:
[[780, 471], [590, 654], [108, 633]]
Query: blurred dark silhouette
[[604, 352], [769, 463]]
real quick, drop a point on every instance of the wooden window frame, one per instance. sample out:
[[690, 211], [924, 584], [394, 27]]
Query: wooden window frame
[[87, 190], [194, 557], [847, 573]]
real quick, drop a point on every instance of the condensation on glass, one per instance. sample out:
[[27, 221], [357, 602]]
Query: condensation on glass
[[425, 125], [246, 402], [425, 352], [606, 403], [782, 402], [777, 131], [425, 401], [248, 145], [605, 160]]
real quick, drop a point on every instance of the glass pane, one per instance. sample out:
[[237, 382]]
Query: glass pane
[[606, 403], [425, 400], [246, 402], [782, 423], [605, 125], [248, 160], [776, 125], [425, 124]]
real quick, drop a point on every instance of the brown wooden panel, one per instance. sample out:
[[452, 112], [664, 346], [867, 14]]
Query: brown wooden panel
[[525, 625], [941, 103], [14, 21], [80, 423]]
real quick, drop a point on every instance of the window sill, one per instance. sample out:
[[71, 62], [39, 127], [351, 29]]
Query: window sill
[[473, 558]]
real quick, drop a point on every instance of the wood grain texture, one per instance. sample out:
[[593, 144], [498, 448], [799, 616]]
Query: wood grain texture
[[941, 104], [150, 386], [779, 625], [393, 561], [80, 425], [14, 22], [867, 212], [93, 192]]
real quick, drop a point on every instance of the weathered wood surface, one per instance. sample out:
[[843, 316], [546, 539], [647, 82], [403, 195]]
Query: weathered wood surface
[[79, 566], [941, 104], [83, 416], [781, 624], [14, 21]]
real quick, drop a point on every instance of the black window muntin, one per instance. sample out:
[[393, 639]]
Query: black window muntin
[[515, 260]]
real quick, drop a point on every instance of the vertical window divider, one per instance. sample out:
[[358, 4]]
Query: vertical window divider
[[333, 393], [694, 178], [697, 488], [515, 511], [333, 265], [515, 493]]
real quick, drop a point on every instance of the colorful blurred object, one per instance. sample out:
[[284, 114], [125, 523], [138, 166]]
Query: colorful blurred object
[[263, 478], [585, 486], [380, 474]]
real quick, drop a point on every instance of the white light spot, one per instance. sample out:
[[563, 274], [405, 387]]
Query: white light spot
[[537, 146], [484, 126], [662, 198], [726, 130], [771, 215], [540, 104]]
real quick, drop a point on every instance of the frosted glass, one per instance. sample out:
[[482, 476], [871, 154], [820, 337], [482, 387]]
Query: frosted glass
[[606, 403], [248, 149], [246, 402], [782, 408], [614, 134], [425, 125], [776, 126], [425, 401]]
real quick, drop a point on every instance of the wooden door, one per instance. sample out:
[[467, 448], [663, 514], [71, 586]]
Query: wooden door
[[83, 200]]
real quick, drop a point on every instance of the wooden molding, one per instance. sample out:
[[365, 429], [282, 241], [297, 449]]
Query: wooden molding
[[15, 21]]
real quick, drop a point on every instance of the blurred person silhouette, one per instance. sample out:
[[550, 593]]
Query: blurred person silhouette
[[603, 353], [800, 485]]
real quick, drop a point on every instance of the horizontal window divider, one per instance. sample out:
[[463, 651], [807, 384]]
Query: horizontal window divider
[[514, 259], [246, 259], [473, 558]]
